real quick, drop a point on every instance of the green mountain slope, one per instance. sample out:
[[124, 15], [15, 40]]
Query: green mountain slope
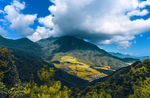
[[27, 57], [129, 82], [21, 45], [68, 52], [84, 51]]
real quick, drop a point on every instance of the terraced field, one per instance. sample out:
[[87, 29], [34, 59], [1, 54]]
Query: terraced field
[[73, 66]]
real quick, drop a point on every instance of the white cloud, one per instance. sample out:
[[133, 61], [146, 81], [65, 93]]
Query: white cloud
[[47, 21], [41, 33], [138, 13], [52, 9], [18, 21], [101, 21], [144, 4]]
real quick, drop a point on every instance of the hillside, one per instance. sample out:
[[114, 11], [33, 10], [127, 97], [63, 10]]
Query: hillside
[[129, 82], [23, 45], [79, 57], [8, 70], [27, 59], [12, 86], [72, 55]]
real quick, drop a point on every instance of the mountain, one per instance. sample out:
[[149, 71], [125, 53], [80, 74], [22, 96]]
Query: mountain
[[79, 57], [22, 75], [27, 59], [17, 75], [70, 54], [129, 82], [129, 56], [23, 45]]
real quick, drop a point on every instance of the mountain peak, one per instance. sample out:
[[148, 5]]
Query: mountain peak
[[24, 40], [68, 43]]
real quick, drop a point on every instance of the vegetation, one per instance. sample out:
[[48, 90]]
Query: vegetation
[[49, 88], [24, 76], [79, 69], [130, 82], [11, 86]]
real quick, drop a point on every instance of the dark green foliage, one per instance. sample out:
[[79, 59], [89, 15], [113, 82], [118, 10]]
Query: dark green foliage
[[130, 60], [8, 70], [129, 82], [8, 73], [49, 89]]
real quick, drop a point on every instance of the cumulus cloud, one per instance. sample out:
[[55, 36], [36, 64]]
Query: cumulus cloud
[[52, 9], [46, 30], [19, 22], [47, 21], [100, 21], [41, 33], [138, 13], [144, 4]]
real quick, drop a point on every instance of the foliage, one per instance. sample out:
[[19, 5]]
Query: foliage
[[49, 89], [129, 82]]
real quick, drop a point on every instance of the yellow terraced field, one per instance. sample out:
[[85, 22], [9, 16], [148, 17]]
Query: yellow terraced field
[[77, 68]]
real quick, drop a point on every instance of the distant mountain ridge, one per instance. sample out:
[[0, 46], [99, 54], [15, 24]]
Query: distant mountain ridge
[[23, 45], [120, 55]]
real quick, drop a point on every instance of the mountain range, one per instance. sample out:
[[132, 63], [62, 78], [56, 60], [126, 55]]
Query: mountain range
[[70, 67], [70, 54], [128, 56]]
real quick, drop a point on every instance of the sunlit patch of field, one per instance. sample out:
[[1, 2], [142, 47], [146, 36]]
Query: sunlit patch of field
[[130, 64], [74, 67], [104, 67]]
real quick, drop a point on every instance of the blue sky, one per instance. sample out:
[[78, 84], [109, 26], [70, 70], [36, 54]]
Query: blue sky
[[135, 40]]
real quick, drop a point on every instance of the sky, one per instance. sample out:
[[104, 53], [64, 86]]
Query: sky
[[114, 25]]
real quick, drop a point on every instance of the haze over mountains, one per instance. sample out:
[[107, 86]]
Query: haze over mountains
[[129, 56]]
